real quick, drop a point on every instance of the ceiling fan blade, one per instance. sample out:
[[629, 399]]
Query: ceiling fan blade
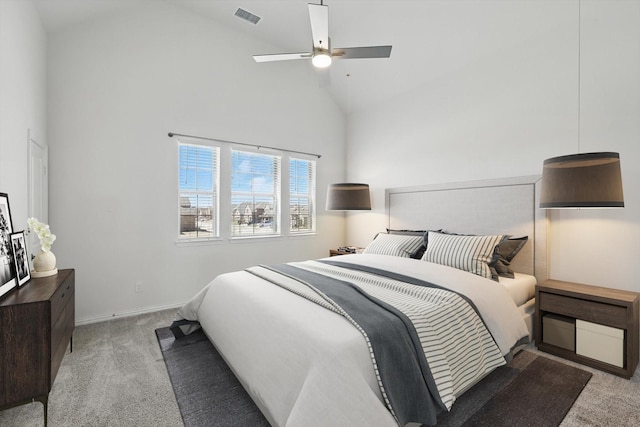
[[362, 52], [319, 17], [281, 56]]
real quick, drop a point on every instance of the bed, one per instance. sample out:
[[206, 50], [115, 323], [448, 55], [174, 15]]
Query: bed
[[306, 358]]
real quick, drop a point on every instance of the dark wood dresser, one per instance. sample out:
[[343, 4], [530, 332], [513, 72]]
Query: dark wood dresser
[[36, 326]]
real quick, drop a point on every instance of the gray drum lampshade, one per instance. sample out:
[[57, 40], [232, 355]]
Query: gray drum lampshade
[[348, 197], [588, 180]]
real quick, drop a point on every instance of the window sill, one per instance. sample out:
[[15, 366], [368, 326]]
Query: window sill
[[304, 234], [270, 237], [181, 243], [246, 239]]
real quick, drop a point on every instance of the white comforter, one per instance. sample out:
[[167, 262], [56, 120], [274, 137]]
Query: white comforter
[[305, 365]]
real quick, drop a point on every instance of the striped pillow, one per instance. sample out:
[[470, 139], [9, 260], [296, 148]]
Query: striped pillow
[[468, 253], [394, 244]]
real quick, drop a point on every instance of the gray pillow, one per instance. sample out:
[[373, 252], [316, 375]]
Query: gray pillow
[[504, 253]]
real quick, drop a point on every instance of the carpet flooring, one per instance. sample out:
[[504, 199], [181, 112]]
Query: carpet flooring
[[530, 389], [117, 377]]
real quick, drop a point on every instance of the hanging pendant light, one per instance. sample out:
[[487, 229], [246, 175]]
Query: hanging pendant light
[[348, 197], [583, 180], [588, 180]]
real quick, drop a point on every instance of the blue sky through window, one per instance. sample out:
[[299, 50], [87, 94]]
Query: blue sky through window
[[299, 176], [196, 168], [252, 173]]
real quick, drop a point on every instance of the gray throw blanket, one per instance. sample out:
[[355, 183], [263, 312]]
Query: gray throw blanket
[[406, 380]]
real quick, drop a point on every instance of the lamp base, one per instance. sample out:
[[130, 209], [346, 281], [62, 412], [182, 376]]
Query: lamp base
[[38, 274]]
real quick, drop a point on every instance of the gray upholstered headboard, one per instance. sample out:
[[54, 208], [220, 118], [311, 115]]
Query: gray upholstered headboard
[[497, 206]]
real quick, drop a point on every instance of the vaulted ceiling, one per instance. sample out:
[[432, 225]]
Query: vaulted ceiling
[[430, 38]]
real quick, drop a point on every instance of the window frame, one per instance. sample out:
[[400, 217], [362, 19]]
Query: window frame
[[223, 202], [214, 193], [310, 195], [276, 196]]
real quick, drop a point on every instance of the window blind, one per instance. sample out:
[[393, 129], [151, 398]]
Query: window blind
[[302, 195], [198, 190], [255, 194]]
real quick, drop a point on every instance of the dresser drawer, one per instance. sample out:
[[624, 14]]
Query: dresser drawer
[[63, 325], [61, 298], [61, 333], [593, 311]]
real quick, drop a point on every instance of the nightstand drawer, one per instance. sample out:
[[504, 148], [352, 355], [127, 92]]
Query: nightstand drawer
[[592, 311]]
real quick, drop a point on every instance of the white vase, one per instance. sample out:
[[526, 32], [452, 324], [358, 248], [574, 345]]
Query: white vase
[[44, 264]]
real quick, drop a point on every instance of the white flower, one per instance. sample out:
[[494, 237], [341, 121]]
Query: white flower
[[44, 233]]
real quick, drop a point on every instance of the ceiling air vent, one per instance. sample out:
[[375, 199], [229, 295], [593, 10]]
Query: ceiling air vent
[[247, 16]]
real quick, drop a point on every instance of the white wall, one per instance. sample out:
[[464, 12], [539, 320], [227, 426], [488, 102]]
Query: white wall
[[116, 88], [22, 99], [503, 115]]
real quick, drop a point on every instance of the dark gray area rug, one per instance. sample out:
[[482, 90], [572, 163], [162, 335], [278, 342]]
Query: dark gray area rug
[[530, 390], [542, 395], [207, 392]]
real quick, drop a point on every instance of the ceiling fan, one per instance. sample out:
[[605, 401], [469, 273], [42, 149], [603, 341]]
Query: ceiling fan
[[322, 54]]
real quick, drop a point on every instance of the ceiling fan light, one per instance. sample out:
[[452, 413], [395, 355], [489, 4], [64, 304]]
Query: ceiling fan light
[[321, 60]]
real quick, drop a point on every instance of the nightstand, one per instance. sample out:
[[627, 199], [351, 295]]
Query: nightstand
[[604, 321], [345, 250], [336, 252]]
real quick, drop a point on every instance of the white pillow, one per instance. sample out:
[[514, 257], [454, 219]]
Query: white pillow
[[394, 244], [468, 253]]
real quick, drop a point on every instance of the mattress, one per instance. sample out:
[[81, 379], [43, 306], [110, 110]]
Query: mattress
[[521, 288]]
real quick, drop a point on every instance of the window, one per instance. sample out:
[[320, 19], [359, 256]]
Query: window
[[253, 202], [255, 194], [302, 196], [198, 191]]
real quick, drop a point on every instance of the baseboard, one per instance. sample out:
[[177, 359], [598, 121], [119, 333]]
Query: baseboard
[[127, 314]]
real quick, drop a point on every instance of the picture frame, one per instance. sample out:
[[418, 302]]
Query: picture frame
[[20, 258], [7, 271]]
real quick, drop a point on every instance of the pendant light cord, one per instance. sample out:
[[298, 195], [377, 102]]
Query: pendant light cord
[[348, 95], [579, 77]]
